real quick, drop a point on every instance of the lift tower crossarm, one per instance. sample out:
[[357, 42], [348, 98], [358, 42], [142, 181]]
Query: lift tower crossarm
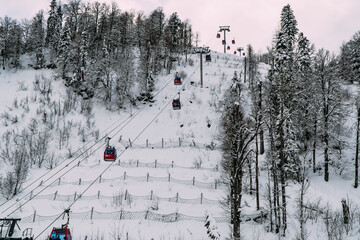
[[224, 29]]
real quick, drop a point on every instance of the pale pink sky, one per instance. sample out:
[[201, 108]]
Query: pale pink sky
[[327, 23]]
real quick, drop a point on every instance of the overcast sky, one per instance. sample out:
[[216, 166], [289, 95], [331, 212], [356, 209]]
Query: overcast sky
[[326, 23]]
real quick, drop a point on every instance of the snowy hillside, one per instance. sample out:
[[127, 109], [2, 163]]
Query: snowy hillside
[[170, 169], [166, 177]]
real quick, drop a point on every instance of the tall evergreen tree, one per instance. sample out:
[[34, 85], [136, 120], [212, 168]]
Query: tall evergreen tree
[[282, 91]]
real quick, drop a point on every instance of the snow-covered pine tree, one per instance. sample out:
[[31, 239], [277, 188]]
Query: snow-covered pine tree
[[211, 227], [53, 30], [282, 90], [63, 59]]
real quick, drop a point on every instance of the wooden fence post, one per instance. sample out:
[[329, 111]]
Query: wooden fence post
[[121, 213], [78, 163], [130, 144], [34, 217], [172, 164], [92, 212], [151, 194], [41, 183], [147, 142], [179, 142], [177, 197], [79, 181], [59, 180], [147, 177], [137, 163], [155, 163], [74, 196], [98, 196], [100, 179], [215, 184], [126, 192], [162, 142], [193, 181], [124, 175], [55, 195], [169, 177], [31, 193], [201, 198]]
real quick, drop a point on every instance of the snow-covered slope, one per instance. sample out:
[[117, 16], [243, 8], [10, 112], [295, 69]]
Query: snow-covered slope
[[165, 179]]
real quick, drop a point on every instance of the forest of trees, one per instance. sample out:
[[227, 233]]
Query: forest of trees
[[99, 51], [298, 112], [303, 105], [97, 48]]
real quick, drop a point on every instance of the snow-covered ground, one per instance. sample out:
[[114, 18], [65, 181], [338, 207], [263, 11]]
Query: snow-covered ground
[[166, 170]]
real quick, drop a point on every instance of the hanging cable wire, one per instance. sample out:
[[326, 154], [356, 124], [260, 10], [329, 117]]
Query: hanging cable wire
[[109, 166], [130, 119]]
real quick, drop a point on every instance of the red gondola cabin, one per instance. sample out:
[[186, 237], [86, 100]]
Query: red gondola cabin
[[218, 35], [177, 80], [228, 47], [234, 52], [233, 41], [223, 42], [62, 233], [110, 154], [176, 104], [208, 58]]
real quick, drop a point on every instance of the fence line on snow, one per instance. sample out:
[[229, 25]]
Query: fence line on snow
[[192, 182], [168, 144], [126, 196], [157, 164], [124, 215]]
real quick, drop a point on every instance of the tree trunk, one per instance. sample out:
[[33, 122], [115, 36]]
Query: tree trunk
[[326, 153], [257, 174], [357, 151], [314, 146], [262, 148]]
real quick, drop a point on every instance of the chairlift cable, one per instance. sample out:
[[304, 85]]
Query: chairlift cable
[[129, 118], [96, 179]]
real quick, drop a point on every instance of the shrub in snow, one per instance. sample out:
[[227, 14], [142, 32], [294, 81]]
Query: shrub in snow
[[210, 224]]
